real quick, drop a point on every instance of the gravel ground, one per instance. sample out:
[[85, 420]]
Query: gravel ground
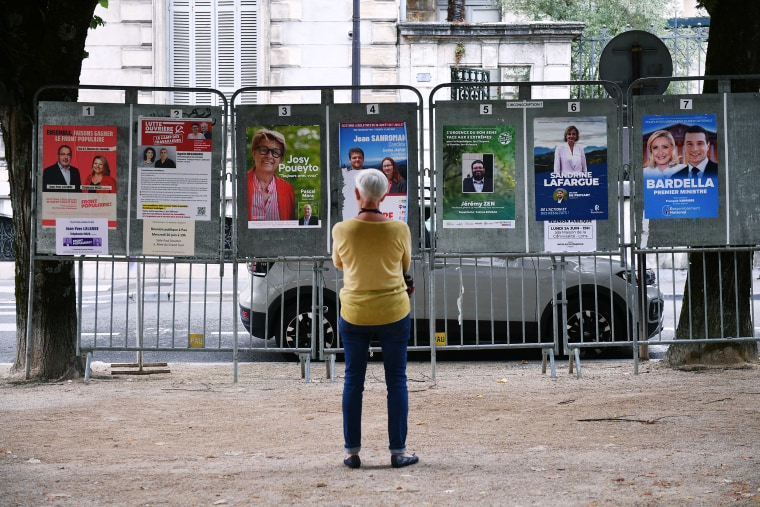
[[487, 433]]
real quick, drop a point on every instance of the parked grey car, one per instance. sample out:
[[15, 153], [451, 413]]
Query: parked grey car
[[484, 300]]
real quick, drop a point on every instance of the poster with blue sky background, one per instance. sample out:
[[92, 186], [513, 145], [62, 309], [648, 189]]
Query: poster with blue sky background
[[570, 185]]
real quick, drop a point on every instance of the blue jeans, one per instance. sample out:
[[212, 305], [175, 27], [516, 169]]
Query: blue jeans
[[393, 338]]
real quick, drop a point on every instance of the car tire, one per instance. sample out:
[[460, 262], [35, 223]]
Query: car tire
[[595, 321], [298, 322]]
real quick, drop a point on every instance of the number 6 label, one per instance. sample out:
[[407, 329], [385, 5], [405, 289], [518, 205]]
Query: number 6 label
[[573, 107]]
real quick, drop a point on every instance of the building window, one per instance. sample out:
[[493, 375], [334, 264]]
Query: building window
[[475, 11], [213, 44], [512, 73]]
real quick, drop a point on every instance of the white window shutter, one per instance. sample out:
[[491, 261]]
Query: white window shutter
[[213, 44]]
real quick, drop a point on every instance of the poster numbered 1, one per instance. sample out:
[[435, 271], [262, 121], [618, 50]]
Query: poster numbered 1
[[88, 110], [283, 110], [573, 107]]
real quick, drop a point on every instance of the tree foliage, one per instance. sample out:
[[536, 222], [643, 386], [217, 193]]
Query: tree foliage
[[615, 15]]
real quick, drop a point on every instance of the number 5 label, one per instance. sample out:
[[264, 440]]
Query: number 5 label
[[485, 109]]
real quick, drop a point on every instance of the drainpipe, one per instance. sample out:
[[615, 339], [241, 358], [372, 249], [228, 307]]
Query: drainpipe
[[356, 63]]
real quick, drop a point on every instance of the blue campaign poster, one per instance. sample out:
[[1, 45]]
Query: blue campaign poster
[[570, 164], [680, 169], [376, 145]]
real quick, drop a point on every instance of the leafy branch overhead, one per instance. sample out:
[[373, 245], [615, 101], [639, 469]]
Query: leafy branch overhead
[[614, 15]]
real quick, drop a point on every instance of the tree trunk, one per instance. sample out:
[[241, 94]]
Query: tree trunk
[[42, 43], [455, 11], [722, 281]]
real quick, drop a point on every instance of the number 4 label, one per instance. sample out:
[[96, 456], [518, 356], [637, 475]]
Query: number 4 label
[[686, 103], [373, 108], [573, 107]]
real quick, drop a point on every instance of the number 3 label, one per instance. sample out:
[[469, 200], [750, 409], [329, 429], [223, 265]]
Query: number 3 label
[[573, 107], [284, 110]]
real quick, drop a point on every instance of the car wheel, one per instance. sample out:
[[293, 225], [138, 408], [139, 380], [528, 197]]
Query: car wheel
[[590, 323], [300, 323]]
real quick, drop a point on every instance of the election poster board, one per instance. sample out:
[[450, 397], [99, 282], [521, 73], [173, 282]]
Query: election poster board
[[478, 177], [173, 170], [283, 177], [680, 166], [375, 145], [570, 168], [79, 168]]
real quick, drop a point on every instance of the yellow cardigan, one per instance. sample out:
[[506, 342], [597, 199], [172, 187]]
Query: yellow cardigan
[[374, 257]]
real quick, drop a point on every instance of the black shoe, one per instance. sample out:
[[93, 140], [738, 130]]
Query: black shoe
[[353, 461], [403, 461]]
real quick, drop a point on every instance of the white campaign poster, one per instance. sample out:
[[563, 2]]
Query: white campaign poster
[[173, 170], [169, 237], [81, 236], [570, 236]]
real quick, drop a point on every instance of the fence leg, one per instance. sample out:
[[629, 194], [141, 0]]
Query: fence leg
[[577, 354], [87, 367], [548, 352], [305, 366], [330, 363]]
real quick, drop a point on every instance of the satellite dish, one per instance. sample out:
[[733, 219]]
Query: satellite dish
[[633, 55]]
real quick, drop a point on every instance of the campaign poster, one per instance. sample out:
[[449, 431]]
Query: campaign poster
[[283, 177], [81, 236], [79, 173], [680, 166], [173, 170], [569, 235], [378, 145], [570, 168], [479, 177]]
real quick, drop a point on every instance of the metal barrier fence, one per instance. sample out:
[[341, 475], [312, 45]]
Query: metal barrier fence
[[476, 290]]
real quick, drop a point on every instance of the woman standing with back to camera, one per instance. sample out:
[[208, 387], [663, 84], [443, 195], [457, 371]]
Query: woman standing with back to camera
[[374, 252]]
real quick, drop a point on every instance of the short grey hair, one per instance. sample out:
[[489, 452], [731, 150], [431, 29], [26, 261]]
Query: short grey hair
[[372, 184]]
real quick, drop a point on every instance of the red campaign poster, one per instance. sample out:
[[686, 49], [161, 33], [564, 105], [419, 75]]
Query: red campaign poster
[[78, 173]]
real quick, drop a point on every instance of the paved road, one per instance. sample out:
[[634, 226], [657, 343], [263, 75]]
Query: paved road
[[169, 318]]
